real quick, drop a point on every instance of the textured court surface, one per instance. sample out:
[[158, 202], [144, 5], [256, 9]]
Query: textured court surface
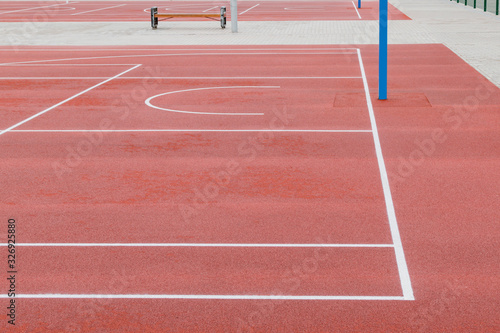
[[112, 11], [250, 182]]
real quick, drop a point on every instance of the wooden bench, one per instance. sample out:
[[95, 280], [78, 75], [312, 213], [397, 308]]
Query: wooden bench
[[166, 16]]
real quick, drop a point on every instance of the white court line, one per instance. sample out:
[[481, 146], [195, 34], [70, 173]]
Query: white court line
[[32, 8], [311, 10], [60, 65], [177, 54], [199, 245], [190, 130], [174, 49], [306, 297], [206, 10], [356, 9], [95, 10], [182, 77], [148, 101], [243, 12], [230, 297], [175, 7], [404, 275], [66, 100]]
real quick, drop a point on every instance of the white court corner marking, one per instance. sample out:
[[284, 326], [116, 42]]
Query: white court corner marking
[[404, 275], [148, 101], [66, 100]]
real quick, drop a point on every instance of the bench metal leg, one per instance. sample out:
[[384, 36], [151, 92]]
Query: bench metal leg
[[222, 17], [154, 20]]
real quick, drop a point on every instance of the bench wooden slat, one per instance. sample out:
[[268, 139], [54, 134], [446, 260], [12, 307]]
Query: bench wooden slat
[[155, 15], [186, 15]]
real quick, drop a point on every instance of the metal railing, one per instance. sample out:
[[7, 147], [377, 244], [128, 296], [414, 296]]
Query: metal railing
[[486, 5]]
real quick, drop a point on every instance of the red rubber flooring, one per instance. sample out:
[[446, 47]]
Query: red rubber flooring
[[270, 159], [115, 11]]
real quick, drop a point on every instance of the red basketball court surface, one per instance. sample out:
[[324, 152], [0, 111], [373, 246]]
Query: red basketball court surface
[[102, 11], [249, 188]]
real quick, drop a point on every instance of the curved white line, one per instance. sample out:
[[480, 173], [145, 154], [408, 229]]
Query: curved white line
[[148, 101]]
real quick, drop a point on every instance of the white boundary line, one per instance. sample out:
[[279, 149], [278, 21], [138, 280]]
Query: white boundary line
[[66, 100], [393, 224], [148, 101], [188, 130], [307, 9], [352, 49], [185, 77], [356, 9], [200, 245], [89, 65], [243, 12], [230, 297], [177, 54], [95, 10]]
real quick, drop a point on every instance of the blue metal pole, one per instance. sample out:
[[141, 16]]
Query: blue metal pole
[[359, 3], [382, 51]]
